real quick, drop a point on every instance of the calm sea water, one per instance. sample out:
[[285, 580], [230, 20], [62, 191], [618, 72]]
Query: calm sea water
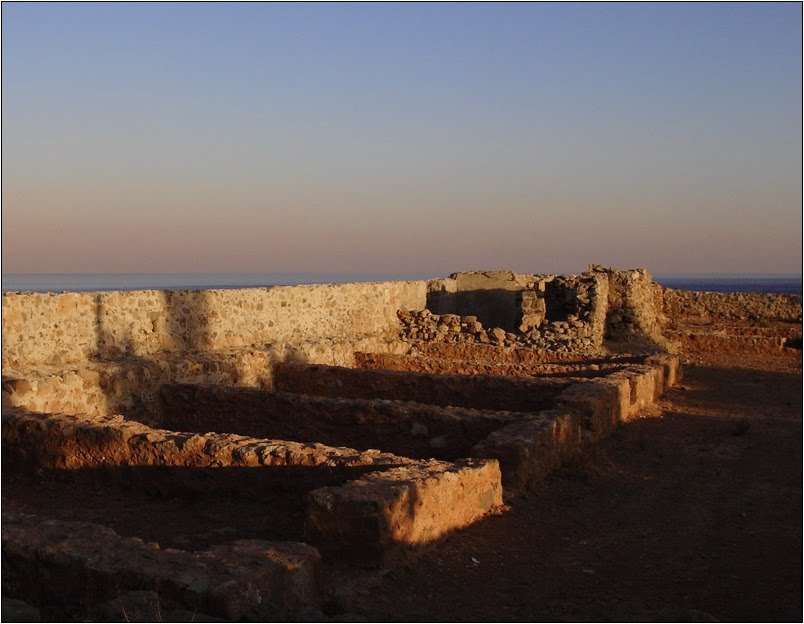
[[166, 281]]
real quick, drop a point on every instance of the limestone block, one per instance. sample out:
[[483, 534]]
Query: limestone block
[[530, 449], [384, 518], [52, 561], [596, 403]]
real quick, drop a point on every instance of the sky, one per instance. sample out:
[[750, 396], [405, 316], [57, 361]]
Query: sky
[[185, 137]]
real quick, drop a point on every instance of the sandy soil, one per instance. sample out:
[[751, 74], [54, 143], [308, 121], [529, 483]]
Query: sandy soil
[[693, 516]]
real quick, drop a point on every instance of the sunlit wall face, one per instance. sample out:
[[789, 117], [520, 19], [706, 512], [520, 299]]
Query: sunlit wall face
[[371, 138]]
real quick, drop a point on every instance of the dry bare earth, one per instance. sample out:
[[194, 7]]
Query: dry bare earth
[[694, 516]]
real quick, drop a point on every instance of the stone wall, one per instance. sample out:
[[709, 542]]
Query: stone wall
[[635, 316], [441, 295], [602, 309], [492, 297], [405, 428], [562, 313], [516, 394], [682, 307], [565, 312], [325, 323], [382, 517], [76, 564], [68, 328]]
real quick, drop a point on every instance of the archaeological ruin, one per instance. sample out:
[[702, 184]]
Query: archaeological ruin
[[234, 449]]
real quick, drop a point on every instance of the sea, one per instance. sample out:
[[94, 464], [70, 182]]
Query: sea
[[84, 282]]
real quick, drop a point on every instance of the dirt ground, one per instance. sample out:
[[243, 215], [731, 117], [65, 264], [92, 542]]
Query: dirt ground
[[695, 515], [692, 516]]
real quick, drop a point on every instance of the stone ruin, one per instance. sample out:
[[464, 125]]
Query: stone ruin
[[561, 313], [328, 430]]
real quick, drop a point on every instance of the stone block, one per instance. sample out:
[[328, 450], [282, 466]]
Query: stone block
[[596, 403], [384, 518], [78, 563], [530, 449]]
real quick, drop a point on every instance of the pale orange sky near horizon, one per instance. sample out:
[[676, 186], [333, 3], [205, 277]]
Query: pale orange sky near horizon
[[384, 139]]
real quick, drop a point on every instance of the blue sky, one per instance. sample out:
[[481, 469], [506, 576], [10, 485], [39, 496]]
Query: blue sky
[[401, 137]]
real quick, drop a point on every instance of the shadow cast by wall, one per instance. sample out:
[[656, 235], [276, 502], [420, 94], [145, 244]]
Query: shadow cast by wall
[[135, 345], [495, 307]]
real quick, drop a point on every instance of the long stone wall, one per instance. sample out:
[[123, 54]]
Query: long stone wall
[[70, 563], [694, 307], [69, 328], [235, 336]]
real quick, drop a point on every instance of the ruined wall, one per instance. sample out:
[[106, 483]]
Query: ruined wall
[[69, 328], [324, 323], [441, 295], [600, 309], [492, 297], [566, 312], [635, 316], [705, 308], [558, 313]]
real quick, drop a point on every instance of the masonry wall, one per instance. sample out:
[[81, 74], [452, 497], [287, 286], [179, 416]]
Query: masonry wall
[[687, 306], [324, 322], [635, 315], [70, 328]]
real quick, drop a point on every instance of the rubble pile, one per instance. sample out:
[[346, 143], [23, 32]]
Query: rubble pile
[[424, 325]]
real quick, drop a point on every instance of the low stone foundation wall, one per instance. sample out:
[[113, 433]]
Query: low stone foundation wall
[[405, 428], [129, 384], [692, 342], [684, 307], [71, 442], [316, 407], [445, 366], [472, 391], [371, 521], [530, 449], [379, 499], [79, 564], [513, 355]]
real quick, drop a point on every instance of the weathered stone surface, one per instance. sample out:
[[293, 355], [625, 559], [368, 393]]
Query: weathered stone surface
[[112, 352], [532, 448], [490, 296], [692, 307], [534, 311], [496, 355], [399, 427], [319, 323], [70, 442], [497, 335], [596, 404], [557, 313], [470, 488], [449, 366], [623, 310], [635, 315], [77, 563], [131, 384], [60, 329], [487, 392], [383, 518], [441, 297], [692, 341], [672, 369]]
